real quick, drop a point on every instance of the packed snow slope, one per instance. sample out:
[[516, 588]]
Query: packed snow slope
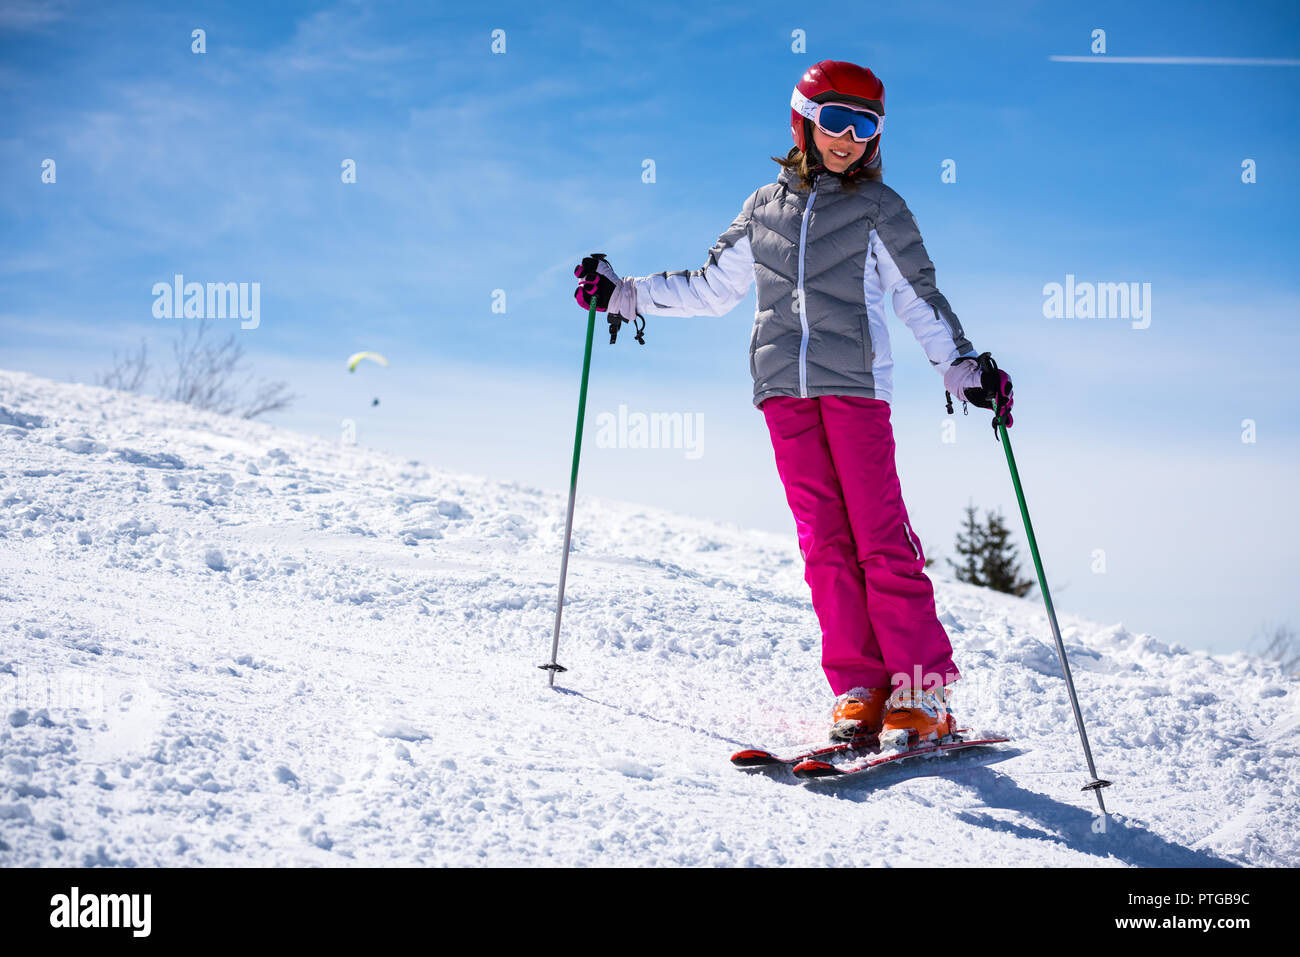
[[223, 643]]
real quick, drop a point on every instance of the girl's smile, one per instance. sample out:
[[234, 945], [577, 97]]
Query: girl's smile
[[838, 152]]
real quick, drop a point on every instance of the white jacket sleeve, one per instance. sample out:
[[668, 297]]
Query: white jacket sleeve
[[906, 271], [712, 290]]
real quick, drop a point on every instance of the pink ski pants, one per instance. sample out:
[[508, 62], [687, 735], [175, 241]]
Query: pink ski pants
[[862, 561]]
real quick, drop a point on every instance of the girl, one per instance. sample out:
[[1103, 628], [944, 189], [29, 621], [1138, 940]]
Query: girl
[[825, 243]]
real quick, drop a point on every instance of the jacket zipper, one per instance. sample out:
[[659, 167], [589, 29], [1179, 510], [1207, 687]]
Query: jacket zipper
[[803, 317]]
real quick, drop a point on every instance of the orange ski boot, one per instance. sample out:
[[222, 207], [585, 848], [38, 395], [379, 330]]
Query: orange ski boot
[[858, 712], [914, 717]]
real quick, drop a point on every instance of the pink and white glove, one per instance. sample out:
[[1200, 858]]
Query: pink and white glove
[[979, 381], [960, 376], [598, 284]]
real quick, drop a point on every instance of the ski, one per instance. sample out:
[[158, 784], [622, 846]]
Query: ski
[[759, 758], [813, 768]]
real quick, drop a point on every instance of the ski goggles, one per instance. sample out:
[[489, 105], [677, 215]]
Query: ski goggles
[[834, 119]]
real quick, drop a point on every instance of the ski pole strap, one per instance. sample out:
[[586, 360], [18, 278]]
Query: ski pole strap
[[616, 323]]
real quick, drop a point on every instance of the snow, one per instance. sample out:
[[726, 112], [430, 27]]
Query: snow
[[224, 643]]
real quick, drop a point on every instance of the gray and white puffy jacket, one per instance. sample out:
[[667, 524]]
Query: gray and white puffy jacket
[[836, 253]]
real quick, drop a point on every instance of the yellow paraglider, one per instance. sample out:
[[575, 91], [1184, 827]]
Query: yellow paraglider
[[356, 358]]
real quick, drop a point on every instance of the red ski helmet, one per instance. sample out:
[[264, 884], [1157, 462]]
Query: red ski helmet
[[839, 82]]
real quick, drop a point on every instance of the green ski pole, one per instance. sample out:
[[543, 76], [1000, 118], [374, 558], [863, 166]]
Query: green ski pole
[[1096, 784], [552, 666]]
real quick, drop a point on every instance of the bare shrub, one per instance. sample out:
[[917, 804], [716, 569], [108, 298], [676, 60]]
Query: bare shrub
[[205, 373], [128, 373], [1282, 645]]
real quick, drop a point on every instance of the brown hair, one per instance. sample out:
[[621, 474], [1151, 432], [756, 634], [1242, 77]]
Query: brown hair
[[797, 161]]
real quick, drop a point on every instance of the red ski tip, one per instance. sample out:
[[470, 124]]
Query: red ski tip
[[814, 769], [751, 757]]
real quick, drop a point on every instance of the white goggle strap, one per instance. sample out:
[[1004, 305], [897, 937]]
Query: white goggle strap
[[802, 105]]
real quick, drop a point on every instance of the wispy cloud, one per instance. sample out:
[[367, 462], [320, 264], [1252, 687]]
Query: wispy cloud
[[27, 15]]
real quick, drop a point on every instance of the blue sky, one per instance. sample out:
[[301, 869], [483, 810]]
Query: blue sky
[[479, 172]]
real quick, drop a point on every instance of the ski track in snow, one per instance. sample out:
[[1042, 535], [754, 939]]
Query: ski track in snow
[[224, 643]]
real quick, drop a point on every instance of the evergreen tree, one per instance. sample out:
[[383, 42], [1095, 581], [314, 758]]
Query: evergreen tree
[[1000, 568], [970, 548], [988, 557]]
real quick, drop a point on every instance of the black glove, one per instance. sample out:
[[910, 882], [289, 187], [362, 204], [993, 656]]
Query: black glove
[[993, 392], [598, 281]]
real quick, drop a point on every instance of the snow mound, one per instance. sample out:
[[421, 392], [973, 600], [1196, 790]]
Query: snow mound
[[223, 643]]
